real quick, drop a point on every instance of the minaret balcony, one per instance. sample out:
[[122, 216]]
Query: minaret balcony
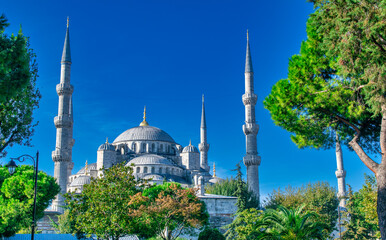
[[63, 121], [340, 173], [250, 128], [60, 156], [64, 89], [252, 160], [203, 147], [249, 99]]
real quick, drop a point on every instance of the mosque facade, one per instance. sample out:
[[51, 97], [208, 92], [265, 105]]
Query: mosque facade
[[153, 153]]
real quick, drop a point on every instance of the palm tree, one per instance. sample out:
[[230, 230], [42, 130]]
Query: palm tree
[[292, 224]]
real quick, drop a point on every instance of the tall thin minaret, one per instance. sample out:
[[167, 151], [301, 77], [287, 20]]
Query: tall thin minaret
[[203, 146], [250, 128], [340, 173], [62, 156]]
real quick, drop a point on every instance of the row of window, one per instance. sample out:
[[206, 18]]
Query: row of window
[[161, 170], [149, 148]]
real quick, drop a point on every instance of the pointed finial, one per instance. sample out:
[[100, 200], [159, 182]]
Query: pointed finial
[[247, 35], [214, 169], [107, 140], [144, 123], [203, 98], [68, 22], [85, 168], [190, 142]]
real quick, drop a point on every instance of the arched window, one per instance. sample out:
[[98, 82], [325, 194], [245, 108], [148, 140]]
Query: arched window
[[152, 170], [134, 148], [161, 148], [138, 169], [172, 171], [167, 170], [144, 147], [123, 150], [160, 170], [168, 148], [152, 147], [145, 170]]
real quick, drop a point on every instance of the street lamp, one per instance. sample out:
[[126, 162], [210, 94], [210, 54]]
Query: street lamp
[[11, 169]]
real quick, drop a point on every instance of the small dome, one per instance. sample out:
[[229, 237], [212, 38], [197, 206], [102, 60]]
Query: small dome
[[81, 180], [91, 166], [190, 148], [106, 147], [144, 133], [149, 159], [154, 177]]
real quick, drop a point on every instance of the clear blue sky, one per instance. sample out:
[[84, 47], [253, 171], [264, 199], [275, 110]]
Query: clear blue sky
[[165, 55]]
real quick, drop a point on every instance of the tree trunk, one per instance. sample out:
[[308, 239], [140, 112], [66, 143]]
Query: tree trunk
[[379, 169], [381, 199]]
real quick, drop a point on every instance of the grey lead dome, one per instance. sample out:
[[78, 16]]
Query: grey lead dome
[[81, 180], [149, 159], [144, 133]]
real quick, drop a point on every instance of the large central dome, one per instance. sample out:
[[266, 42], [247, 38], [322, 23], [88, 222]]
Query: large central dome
[[144, 133]]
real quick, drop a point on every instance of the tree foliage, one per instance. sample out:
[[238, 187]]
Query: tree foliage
[[247, 225], [103, 206], [18, 93], [236, 188], [338, 84], [17, 196], [317, 197], [211, 234], [279, 223], [284, 223], [167, 210], [362, 219]]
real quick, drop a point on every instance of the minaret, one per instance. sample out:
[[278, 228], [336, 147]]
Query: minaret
[[250, 128], [340, 174], [203, 146], [62, 156]]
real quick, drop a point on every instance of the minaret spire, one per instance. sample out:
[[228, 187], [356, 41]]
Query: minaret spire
[[340, 173], [248, 57], [62, 156], [203, 146], [66, 55], [250, 128]]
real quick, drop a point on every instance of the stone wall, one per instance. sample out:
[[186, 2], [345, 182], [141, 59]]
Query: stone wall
[[221, 209]]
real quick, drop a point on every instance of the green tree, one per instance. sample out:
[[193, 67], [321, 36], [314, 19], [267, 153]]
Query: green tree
[[211, 234], [317, 197], [103, 206], [292, 224], [17, 195], [248, 225], [226, 187], [229, 186], [18, 93], [362, 219], [337, 84], [167, 210]]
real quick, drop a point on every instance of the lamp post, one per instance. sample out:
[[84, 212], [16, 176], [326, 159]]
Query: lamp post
[[12, 167]]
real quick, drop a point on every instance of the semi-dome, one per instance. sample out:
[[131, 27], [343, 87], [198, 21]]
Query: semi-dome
[[150, 159], [81, 180], [154, 177], [91, 166], [144, 133]]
